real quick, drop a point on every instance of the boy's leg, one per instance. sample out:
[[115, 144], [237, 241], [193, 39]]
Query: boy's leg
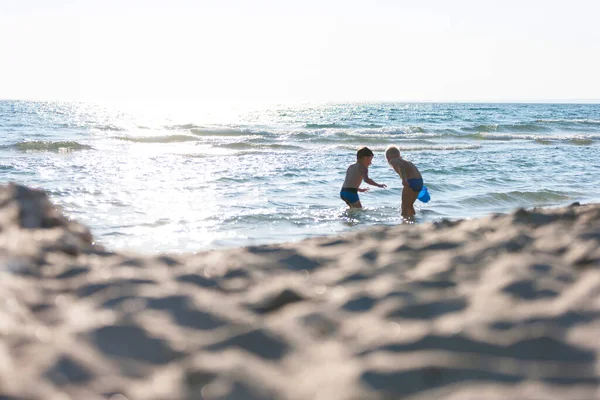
[[409, 197], [356, 204], [404, 204], [352, 200], [413, 198]]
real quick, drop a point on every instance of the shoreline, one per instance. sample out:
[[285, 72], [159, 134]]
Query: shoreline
[[503, 306]]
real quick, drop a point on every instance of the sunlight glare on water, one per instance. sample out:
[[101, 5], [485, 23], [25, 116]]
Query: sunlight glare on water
[[183, 176]]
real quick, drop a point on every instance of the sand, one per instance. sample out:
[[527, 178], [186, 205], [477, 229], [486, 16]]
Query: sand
[[502, 307]]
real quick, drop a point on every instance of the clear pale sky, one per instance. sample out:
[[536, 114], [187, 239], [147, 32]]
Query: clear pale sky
[[309, 50]]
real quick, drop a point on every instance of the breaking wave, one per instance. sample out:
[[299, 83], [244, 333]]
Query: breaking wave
[[39, 145]]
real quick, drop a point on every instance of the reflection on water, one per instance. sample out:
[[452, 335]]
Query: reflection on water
[[181, 178]]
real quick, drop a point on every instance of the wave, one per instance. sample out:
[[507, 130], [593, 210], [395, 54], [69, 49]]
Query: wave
[[578, 141], [489, 132], [200, 130], [539, 125], [256, 146], [582, 141], [515, 198], [39, 145], [324, 126], [449, 147], [570, 121], [229, 132], [544, 139], [397, 134], [159, 139], [441, 147], [391, 131], [334, 125], [514, 128], [322, 132], [109, 127], [336, 133], [368, 134], [570, 125], [183, 127], [415, 129], [309, 130]]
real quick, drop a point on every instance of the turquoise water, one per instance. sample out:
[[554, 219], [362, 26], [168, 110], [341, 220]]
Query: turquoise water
[[189, 177]]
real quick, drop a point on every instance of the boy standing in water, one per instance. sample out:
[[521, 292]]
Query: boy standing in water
[[412, 181], [355, 174]]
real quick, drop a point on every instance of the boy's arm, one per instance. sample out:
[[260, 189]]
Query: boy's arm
[[404, 180], [401, 170], [372, 182]]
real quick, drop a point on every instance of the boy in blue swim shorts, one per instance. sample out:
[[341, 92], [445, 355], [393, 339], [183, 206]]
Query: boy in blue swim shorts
[[355, 174], [412, 181]]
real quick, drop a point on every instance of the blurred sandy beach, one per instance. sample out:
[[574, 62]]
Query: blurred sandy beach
[[501, 307]]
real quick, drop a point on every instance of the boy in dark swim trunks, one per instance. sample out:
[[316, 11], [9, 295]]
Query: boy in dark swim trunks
[[355, 174], [412, 181]]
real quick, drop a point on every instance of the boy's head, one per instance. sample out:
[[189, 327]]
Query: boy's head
[[364, 155], [392, 152], [363, 152]]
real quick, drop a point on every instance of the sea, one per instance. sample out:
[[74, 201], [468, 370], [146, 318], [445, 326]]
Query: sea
[[184, 177]]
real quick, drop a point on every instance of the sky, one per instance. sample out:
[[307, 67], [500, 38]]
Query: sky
[[308, 50]]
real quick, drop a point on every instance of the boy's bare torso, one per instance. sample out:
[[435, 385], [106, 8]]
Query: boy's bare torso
[[355, 174], [404, 167]]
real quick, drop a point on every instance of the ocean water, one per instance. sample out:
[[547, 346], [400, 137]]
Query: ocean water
[[186, 177]]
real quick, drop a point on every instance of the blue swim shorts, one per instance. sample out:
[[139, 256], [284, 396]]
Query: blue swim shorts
[[416, 184], [349, 195]]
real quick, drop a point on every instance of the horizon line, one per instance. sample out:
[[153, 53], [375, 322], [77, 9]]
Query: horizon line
[[456, 101]]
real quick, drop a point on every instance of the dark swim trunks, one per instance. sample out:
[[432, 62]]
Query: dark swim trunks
[[349, 195], [416, 184]]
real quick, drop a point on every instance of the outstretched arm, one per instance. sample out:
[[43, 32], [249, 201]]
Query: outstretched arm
[[372, 182]]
